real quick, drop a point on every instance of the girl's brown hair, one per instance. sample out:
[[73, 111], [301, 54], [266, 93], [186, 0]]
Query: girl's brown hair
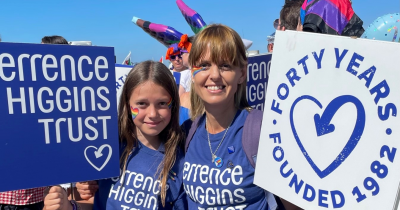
[[171, 136], [225, 46]]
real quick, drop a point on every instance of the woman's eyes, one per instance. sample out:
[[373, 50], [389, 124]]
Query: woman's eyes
[[205, 66], [225, 67]]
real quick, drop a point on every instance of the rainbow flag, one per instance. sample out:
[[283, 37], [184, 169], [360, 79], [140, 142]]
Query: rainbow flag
[[335, 17]]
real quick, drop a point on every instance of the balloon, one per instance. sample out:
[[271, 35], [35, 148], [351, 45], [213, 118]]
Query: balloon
[[194, 20], [164, 34], [384, 28]]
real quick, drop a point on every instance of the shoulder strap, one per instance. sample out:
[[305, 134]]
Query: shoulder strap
[[192, 130], [250, 142], [251, 135]]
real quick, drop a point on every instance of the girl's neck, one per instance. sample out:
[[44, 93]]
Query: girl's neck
[[152, 142], [219, 120]]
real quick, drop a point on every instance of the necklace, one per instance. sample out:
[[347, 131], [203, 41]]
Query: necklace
[[215, 159]]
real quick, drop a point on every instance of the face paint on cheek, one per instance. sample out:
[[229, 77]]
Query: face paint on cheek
[[135, 112], [196, 70], [170, 103]]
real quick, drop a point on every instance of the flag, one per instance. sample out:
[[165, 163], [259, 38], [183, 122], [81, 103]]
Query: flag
[[162, 59], [127, 60], [335, 17]]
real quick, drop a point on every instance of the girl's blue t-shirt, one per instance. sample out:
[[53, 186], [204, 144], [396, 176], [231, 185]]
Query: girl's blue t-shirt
[[229, 186], [141, 188]]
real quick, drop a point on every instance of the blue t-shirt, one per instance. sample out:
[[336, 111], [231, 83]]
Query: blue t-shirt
[[141, 189], [229, 186], [183, 114]]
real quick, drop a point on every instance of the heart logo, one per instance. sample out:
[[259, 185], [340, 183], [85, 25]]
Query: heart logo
[[98, 153], [323, 127]]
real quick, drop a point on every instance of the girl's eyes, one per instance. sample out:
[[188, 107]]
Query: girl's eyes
[[141, 104], [144, 104]]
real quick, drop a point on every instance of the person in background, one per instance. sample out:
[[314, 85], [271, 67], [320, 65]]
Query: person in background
[[271, 40], [184, 47], [54, 40], [289, 18], [29, 199], [184, 110], [330, 17], [178, 56]]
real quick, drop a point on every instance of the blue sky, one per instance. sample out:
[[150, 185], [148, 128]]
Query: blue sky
[[108, 23]]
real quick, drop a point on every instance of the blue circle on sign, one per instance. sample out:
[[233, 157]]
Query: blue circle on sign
[[218, 162]]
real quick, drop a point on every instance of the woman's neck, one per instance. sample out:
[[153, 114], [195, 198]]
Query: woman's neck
[[219, 120], [152, 142]]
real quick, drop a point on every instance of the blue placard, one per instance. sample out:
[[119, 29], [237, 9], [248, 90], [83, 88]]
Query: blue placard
[[257, 79], [58, 115], [177, 77]]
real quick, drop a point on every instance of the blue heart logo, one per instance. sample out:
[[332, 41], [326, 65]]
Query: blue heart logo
[[323, 127]]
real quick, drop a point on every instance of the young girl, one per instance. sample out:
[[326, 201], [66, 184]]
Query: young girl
[[217, 173], [151, 152]]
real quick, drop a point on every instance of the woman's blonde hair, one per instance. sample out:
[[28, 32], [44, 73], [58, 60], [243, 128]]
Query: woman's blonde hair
[[171, 136], [225, 46]]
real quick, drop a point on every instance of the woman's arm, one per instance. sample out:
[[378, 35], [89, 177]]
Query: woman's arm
[[87, 189], [290, 206]]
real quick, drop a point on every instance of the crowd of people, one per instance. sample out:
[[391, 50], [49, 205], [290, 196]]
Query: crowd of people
[[182, 148]]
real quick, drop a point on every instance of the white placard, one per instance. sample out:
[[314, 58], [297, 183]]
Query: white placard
[[121, 71], [330, 134]]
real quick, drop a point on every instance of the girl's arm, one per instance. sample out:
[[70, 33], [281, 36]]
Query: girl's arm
[[56, 198]]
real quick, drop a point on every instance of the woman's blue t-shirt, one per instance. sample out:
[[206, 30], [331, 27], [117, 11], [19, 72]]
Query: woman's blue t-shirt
[[141, 189], [229, 186]]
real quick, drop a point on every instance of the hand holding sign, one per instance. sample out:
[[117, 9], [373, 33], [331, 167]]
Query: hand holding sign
[[87, 189], [56, 199]]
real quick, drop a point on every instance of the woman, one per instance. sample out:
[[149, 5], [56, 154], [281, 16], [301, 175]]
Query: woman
[[219, 109]]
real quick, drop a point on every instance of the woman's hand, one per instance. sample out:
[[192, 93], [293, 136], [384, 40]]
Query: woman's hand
[[87, 189]]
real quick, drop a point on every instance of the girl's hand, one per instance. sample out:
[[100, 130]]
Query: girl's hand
[[56, 199], [87, 189]]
